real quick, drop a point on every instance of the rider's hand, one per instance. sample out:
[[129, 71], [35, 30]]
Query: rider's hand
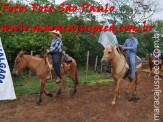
[[117, 44], [47, 51], [124, 48]]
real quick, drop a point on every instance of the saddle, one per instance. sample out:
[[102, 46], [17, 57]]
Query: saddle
[[137, 59], [137, 63], [66, 60]]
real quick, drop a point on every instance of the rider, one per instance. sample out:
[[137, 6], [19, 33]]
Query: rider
[[131, 46], [56, 52], [157, 53]]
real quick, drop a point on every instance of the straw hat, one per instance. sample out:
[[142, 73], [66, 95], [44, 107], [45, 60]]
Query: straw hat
[[131, 31], [57, 32]]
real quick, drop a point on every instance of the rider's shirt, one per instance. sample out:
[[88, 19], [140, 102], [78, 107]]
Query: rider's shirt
[[131, 44], [157, 54], [56, 45]]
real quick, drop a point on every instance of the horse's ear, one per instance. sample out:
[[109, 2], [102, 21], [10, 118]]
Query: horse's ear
[[107, 44], [21, 53], [113, 45]]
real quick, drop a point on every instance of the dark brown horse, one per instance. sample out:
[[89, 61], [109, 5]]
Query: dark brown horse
[[151, 58], [41, 68]]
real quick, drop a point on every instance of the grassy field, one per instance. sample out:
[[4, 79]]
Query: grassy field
[[23, 86]]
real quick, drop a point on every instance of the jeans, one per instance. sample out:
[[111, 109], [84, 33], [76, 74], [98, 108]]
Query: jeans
[[132, 56], [57, 63]]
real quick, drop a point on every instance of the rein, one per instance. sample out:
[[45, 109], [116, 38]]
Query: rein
[[121, 53], [39, 65], [36, 68], [109, 57], [122, 69]]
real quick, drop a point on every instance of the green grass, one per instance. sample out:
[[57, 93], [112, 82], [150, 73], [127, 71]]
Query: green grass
[[22, 86]]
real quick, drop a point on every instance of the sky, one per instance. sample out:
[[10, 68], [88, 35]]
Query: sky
[[158, 15], [154, 17]]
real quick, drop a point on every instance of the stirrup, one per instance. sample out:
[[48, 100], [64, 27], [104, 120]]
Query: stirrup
[[58, 80]]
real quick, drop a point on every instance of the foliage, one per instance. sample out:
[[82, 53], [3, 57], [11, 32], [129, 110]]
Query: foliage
[[23, 86], [76, 47]]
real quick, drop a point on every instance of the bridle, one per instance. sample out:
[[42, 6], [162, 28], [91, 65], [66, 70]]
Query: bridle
[[110, 56], [21, 60]]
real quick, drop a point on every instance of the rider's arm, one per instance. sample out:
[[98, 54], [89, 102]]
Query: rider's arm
[[56, 45], [124, 45], [134, 45]]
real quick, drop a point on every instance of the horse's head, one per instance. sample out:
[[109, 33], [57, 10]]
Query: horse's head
[[148, 56], [108, 55], [19, 63]]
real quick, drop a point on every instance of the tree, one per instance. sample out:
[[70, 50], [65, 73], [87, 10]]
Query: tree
[[133, 11]]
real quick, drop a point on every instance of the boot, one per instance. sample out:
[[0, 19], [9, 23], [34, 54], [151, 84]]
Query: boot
[[58, 80], [130, 78]]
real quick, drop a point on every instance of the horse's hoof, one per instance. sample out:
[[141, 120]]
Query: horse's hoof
[[127, 94], [38, 103], [134, 94], [55, 100], [50, 95], [112, 103], [58, 82], [74, 92], [59, 92], [119, 97]]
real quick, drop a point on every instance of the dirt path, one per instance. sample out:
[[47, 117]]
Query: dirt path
[[90, 104]]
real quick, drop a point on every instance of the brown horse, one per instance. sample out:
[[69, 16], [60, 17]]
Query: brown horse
[[40, 67], [151, 58], [119, 69]]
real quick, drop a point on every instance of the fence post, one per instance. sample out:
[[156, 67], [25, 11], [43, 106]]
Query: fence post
[[101, 67], [87, 64], [30, 72], [96, 63]]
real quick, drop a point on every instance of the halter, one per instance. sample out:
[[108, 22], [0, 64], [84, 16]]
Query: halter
[[23, 64], [109, 57]]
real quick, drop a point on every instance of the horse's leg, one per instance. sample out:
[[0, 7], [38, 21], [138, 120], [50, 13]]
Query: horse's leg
[[76, 77], [151, 67], [48, 93], [63, 85], [135, 83], [54, 89], [130, 84], [160, 70], [118, 97], [116, 91], [128, 90], [73, 77], [41, 91], [150, 71]]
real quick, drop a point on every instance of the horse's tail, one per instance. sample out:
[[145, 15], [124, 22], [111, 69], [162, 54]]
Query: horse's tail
[[76, 77]]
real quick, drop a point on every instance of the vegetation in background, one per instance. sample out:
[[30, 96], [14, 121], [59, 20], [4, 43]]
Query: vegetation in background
[[23, 86], [76, 47]]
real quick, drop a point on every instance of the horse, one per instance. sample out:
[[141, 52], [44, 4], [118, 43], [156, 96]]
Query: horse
[[40, 67], [151, 58], [119, 69]]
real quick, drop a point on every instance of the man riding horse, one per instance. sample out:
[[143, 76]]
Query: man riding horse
[[56, 52], [131, 46], [157, 54]]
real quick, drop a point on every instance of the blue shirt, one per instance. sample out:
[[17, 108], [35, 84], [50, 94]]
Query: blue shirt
[[56, 45], [131, 44]]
